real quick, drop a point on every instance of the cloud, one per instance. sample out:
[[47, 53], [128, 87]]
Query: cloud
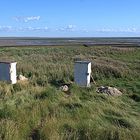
[[26, 18], [67, 28], [23, 29], [121, 30], [6, 28], [84, 30], [34, 29], [70, 27]]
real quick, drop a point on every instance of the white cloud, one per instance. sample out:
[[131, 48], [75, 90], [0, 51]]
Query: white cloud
[[34, 29], [6, 28], [67, 28], [129, 30], [125, 30], [23, 29], [74, 28], [26, 18], [71, 27], [85, 30]]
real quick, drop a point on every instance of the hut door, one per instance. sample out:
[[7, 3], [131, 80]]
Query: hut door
[[82, 74]]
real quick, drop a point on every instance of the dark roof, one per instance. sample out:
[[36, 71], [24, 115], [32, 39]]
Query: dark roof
[[86, 62], [8, 62]]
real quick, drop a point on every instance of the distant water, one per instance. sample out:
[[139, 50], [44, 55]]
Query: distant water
[[69, 41]]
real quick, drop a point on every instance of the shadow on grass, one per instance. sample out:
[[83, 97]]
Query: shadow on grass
[[135, 97], [35, 135], [120, 122], [73, 106], [56, 83]]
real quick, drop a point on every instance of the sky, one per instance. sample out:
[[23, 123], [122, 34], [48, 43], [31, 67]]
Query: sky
[[69, 18]]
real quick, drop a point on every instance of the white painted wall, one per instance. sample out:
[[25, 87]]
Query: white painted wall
[[82, 73], [13, 73], [8, 72]]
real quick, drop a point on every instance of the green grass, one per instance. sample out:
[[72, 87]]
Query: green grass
[[39, 110]]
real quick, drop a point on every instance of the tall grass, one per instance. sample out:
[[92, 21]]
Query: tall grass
[[39, 110]]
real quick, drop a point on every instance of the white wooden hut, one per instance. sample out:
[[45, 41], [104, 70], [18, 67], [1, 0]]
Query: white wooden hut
[[8, 71], [82, 73]]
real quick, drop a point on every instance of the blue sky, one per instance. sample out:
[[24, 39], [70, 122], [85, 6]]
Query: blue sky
[[70, 18]]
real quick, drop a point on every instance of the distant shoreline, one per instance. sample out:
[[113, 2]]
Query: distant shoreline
[[89, 41]]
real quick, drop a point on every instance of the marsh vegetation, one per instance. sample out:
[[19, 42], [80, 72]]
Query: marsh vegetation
[[39, 110]]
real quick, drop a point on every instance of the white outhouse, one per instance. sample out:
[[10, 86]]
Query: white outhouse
[[8, 71], [82, 73]]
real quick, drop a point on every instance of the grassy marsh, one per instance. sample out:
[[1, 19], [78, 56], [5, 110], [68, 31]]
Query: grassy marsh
[[38, 110]]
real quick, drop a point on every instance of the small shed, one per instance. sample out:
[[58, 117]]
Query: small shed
[[8, 71], [82, 73]]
